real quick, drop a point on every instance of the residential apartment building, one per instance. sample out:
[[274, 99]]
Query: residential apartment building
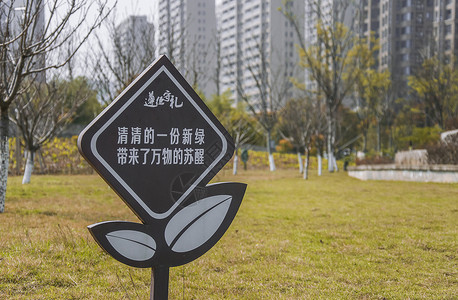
[[406, 34], [187, 34], [327, 12], [445, 28], [135, 38], [258, 47], [11, 16], [12, 12], [314, 11]]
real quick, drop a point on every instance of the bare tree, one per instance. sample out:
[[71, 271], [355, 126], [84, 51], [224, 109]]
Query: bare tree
[[320, 128], [171, 33], [130, 50], [271, 89], [196, 66], [218, 62], [193, 54], [32, 43], [44, 109], [334, 62], [243, 132], [236, 120], [300, 122], [297, 126], [314, 94]]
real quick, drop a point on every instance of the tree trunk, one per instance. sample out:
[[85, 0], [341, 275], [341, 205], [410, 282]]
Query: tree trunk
[[379, 141], [334, 163], [307, 163], [364, 141], [271, 162], [299, 160], [18, 152], [320, 163], [236, 161], [28, 166], [43, 167], [441, 117], [269, 151], [390, 140], [4, 155], [329, 144]]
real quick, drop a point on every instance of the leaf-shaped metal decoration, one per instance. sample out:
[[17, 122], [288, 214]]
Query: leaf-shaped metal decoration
[[195, 224], [129, 243], [134, 245], [184, 236], [188, 237]]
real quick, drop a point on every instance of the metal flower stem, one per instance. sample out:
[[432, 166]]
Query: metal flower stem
[[159, 283]]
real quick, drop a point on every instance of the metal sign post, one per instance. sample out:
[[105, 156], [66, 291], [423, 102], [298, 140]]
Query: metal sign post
[[158, 145], [159, 283]]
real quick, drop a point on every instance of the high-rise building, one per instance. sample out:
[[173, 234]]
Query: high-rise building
[[405, 32], [11, 19], [12, 12], [135, 38], [328, 12], [258, 47], [445, 30], [321, 10], [187, 33]]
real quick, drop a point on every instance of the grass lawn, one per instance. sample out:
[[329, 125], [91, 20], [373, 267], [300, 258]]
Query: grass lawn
[[331, 237]]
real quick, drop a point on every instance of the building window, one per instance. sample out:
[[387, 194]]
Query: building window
[[420, 18], [403, 30], [405, 3]]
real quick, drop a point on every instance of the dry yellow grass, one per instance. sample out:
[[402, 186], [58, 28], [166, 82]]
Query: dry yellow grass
[[331, 237]]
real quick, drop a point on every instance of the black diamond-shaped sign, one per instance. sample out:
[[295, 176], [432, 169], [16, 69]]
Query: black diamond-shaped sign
[[157, 145]]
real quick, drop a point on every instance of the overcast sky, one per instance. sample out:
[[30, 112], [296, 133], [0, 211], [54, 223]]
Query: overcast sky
[[124, 8], [135, 7]]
